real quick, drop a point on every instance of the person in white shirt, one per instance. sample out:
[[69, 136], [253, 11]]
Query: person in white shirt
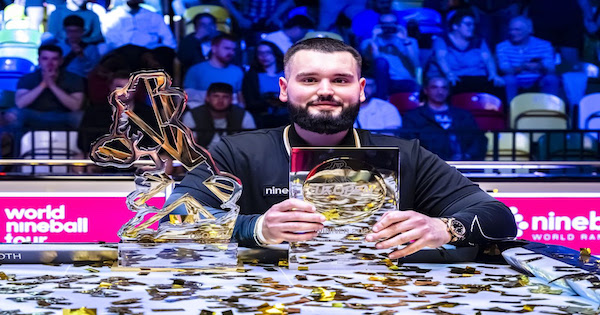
[[377, 114], [293, 30], [131, 24]]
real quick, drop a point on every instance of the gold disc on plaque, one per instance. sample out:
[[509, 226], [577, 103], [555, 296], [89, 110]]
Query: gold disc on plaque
[[345, 190]]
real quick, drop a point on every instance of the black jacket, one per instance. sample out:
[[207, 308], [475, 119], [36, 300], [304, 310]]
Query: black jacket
[[420, 122], [427, 184]]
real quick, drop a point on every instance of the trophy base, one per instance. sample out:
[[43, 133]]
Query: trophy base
[[328, 255], [178, 255]]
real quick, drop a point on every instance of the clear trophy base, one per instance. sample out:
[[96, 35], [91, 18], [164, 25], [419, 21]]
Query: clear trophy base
[[178, 255]]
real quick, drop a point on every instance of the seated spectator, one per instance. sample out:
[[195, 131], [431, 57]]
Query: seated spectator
[[394, 57], [329, 11], [449, 132], [255, 17], [130, 24], [195, 48], [50, 97], [375, 113], [218, 116], [98, 119], [92, 32], [293, 30], [526, 61], [261, 87], [79, 57], [465, 60], [217, 69]]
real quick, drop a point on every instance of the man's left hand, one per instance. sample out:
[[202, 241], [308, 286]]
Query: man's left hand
[[400, 227]]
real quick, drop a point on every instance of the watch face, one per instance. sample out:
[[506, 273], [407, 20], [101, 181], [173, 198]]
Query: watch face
[[458, 228]]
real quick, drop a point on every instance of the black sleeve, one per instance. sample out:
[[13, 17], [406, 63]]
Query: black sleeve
[[223, 156], [442, 191]]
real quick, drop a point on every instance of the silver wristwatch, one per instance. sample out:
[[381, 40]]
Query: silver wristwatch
[[456, 229]]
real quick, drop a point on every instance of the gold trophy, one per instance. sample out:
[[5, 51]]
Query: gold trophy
[[352, 188], [196, 239]]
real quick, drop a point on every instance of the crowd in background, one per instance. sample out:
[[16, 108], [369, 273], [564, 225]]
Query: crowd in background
[[230, 68]]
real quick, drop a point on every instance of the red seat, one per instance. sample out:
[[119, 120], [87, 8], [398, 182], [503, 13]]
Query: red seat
[[486, 109], [405, 101]]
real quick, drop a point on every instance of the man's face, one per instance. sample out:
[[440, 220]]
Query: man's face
[[437, 90], [73, 33], [206, 24], [224, 51], [466, 27], [219, 101], [49, 60], [323, 90], [296, 33], [517, 32], [265, 55]]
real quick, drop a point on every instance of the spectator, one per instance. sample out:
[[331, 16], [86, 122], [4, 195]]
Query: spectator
[[218, 116], [79, 57], [217, 69], [464, 59], [526, 61], [195, 48], [92, 32], [131, 24], [494, 17], [293, 30], [258, 15], [449, 132], [48, 98], [329, 10], [377, 114], [394, 56], [98, 119], [261, 87]]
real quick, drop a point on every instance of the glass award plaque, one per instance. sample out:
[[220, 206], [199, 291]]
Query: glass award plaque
[[352, 188], [195, 239]]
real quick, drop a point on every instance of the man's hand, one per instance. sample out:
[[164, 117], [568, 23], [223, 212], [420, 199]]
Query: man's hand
[[291, 220], [76, 49], [49, 77], [497, 80], [400, 227]]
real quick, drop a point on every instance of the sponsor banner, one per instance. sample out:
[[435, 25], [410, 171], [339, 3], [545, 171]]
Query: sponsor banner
[[568, 219], [72, 217]]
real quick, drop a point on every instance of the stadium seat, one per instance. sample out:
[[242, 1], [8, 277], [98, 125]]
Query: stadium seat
[[486, 109], [48, 145], [220, 13], [21, 36], [405, 101], [538, 111], [29, 53], [589, 112], [521, 146], [15, 65], [560, 146]]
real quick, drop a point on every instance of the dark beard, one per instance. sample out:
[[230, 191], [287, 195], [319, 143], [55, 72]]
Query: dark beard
[[325, 123]]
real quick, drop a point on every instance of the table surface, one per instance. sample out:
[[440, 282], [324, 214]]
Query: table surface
[[412, 289]]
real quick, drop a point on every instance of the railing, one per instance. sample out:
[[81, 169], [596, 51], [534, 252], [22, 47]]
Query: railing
[[560, 146]]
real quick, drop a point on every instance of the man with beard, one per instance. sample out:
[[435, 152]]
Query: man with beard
[[323, 88], [216, 69]]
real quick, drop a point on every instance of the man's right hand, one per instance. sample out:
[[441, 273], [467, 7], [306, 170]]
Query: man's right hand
[[292, 220], [49, 77]]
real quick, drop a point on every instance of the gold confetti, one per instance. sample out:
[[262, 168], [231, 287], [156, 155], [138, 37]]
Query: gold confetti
[[321, 295], [545, 289], [79, 311]]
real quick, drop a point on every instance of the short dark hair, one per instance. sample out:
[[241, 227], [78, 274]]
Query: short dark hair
[[299, 20], [219, 87], [459, 15], [221, 37], [202, 15], [321, 44], [73, 20], [50, 47], [119, 74]]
